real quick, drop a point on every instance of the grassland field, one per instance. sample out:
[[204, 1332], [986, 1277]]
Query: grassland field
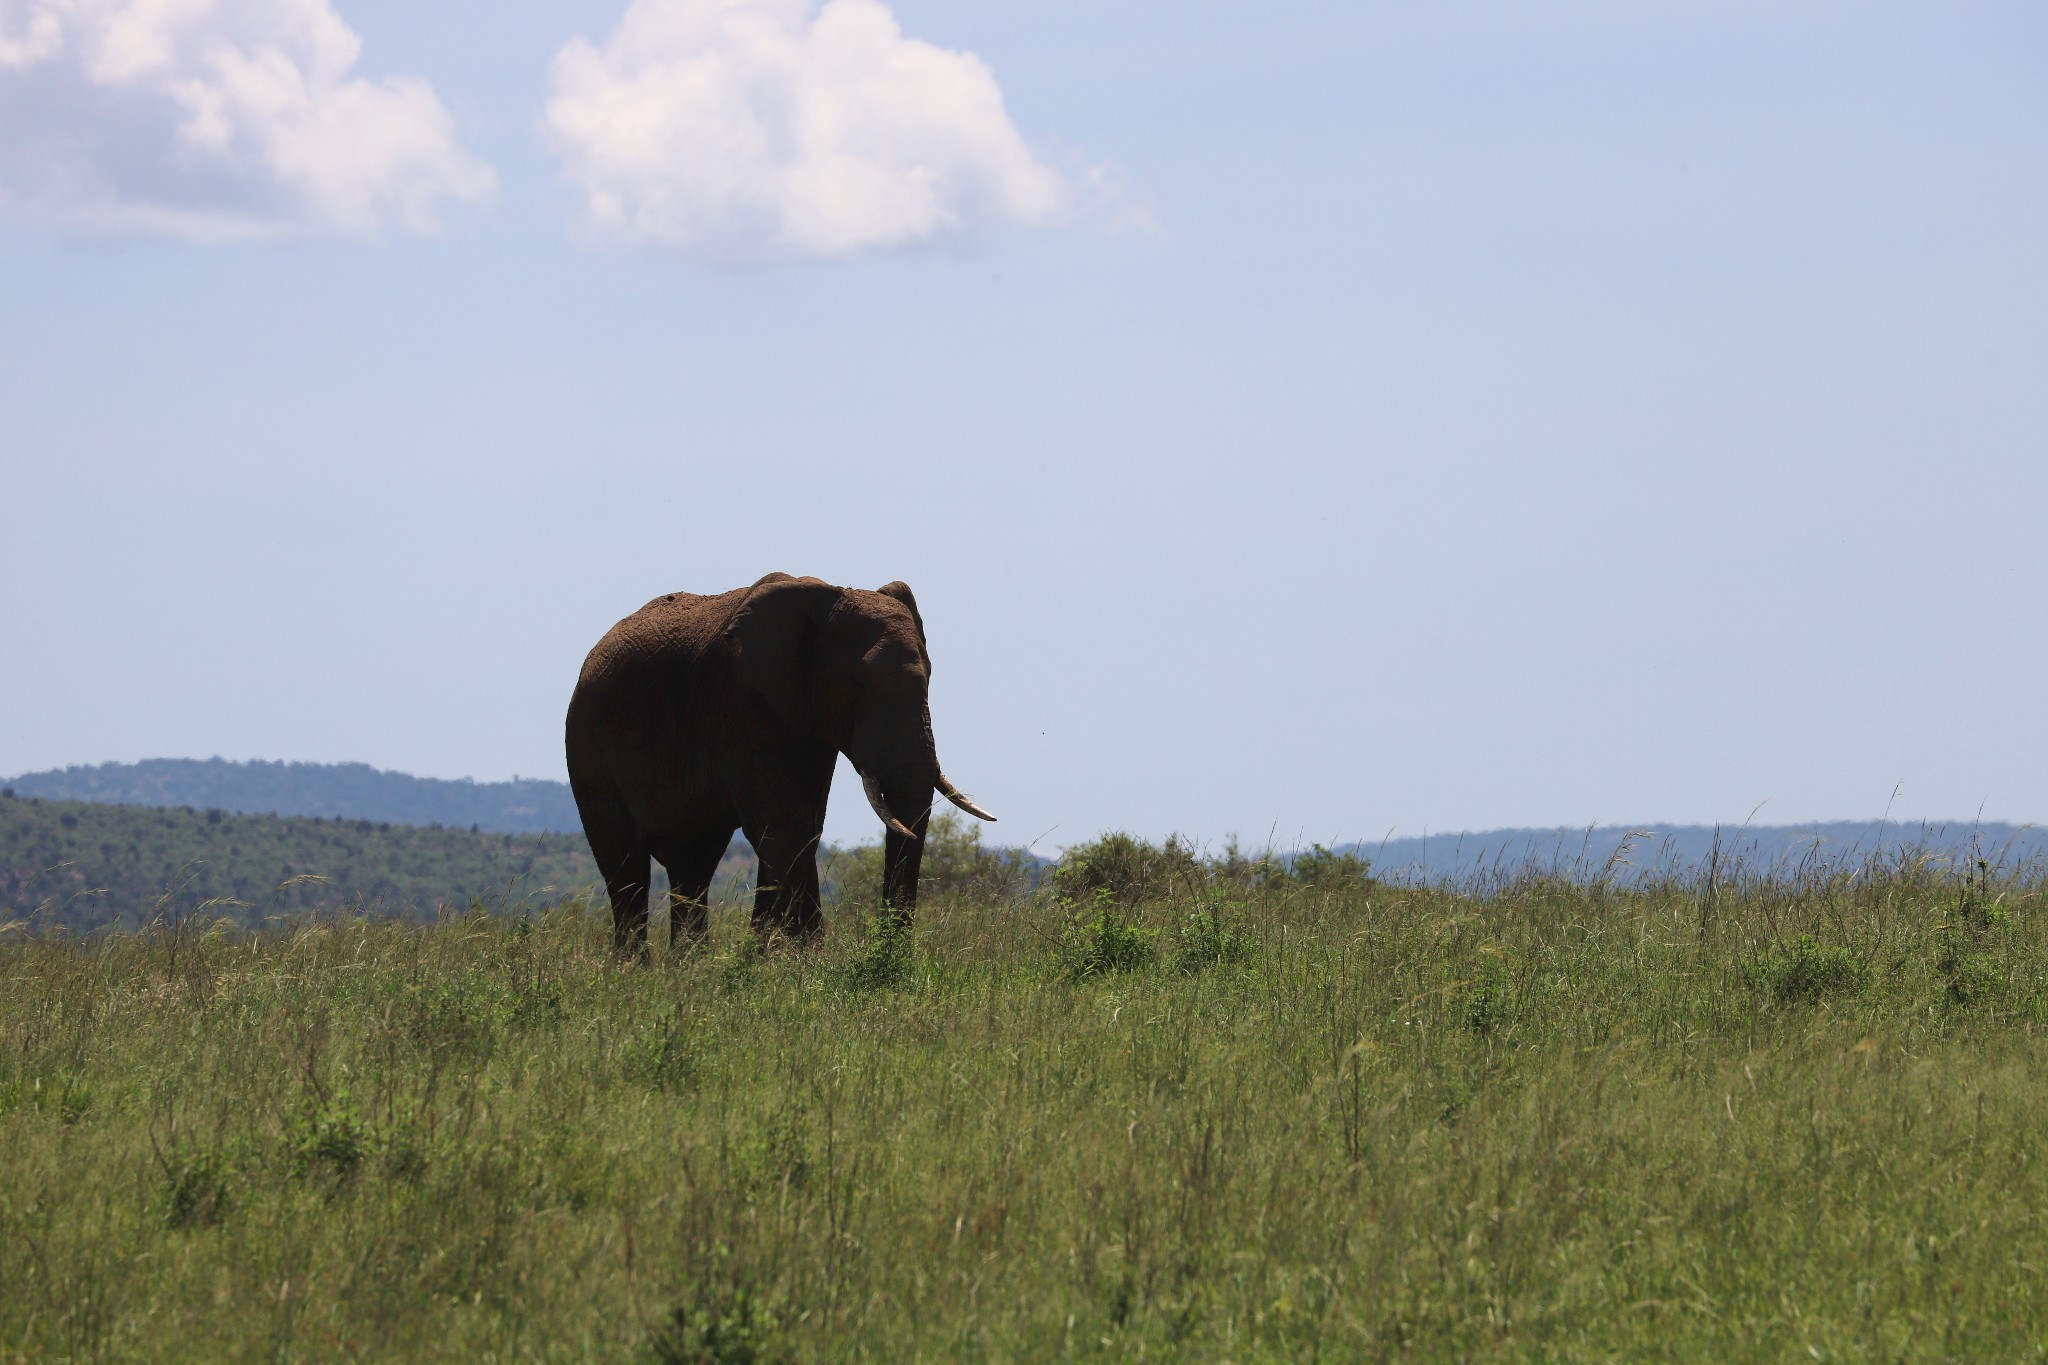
[[1235, 1119]]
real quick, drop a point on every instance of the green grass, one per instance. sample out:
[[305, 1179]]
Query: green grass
[[1325, 1122]]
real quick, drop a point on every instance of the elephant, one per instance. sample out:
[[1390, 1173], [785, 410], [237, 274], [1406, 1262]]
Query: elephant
[[700, 715]]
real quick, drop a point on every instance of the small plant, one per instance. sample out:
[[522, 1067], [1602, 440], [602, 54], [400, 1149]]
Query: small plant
[[454, 1016], [786, 1146], [778, 1153], [1212, 934], [663, 1055], [1485, 1004], [884, 957], [1976, 907], [955, 863], [329, 1136], [1967, 977], [538, 1006], [405, 1158], [1968, 974], [196, 1189], [1121, 1299], [1105, 942], [736, 1326], [1805, 970], [73, 1099], [736, 968], [67, 1098]]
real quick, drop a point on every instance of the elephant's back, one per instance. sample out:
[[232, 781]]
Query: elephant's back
[[638, 682], [671, 633], [630, 732]]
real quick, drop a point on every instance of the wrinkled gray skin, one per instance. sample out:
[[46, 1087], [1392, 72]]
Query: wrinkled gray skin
[[697, 716]]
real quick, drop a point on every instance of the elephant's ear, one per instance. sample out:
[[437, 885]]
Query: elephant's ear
[[901, 592], [773, 638]]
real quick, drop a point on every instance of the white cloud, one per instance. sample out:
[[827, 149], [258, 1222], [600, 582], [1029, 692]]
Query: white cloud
[[213, 119], [774, 130]]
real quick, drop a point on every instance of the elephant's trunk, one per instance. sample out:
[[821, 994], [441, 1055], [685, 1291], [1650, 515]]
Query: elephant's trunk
[[901, 793]]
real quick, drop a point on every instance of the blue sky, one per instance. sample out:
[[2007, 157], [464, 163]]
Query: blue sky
[[1396, 417]]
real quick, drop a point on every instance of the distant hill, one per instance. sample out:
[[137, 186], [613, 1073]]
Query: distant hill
[[352, 791], [87, 866], [1685, 850]]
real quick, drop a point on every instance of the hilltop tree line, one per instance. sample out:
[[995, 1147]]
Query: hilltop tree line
[[89, 866], [85, 866], [352, 790]]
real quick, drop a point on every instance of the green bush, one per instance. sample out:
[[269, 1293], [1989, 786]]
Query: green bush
[[663, 1055], [955, 864], [328, 1136], [1483, 1002], [1805, 970], [1128, 870], [1968, 975], [1103, 940], [884, 956], [734, 1326], [1323, 870], [197, 1187], [1212, 934]]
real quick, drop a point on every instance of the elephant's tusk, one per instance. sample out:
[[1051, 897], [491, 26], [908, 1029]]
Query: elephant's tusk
[[881, 805], [961, 799]]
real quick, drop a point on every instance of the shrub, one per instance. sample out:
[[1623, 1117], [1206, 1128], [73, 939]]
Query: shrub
[[884, 956], [455, 1015], [955, 863], [663, 1055], [736, 1326], [1806, 969], [1211, 934], [737, 967], [1484, 1003], [1968, 977], [329, 1136], [196, 1187], [538, 1005], [1976, 906], [1324, 870], [1235, 868], [1104, 942], [1127, 869]]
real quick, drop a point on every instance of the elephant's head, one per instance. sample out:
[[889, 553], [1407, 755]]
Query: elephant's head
[[849, 669]]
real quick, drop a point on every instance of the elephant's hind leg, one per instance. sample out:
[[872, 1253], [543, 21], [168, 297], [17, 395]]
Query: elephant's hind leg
[[625, 868], [691, 864], [620, 852]]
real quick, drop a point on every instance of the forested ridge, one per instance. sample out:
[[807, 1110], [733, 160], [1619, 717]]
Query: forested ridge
[[87, 865], [353, 791]]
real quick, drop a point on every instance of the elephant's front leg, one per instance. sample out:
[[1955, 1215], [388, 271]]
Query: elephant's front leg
[[786, 899]]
